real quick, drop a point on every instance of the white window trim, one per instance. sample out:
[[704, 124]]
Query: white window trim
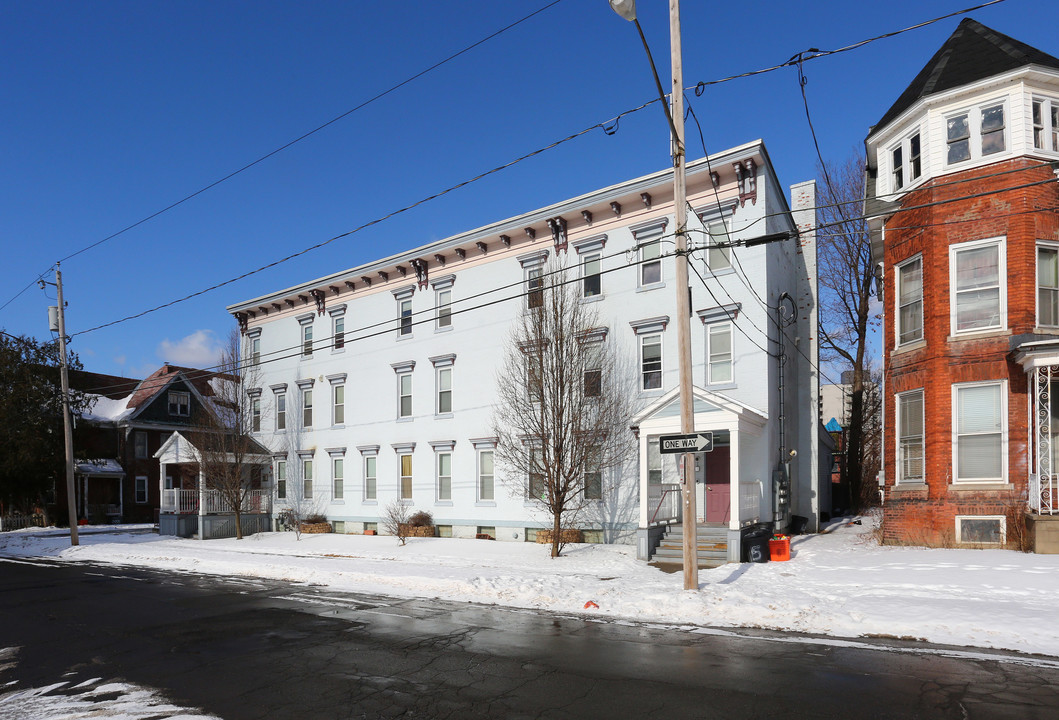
[[905, 144], [646, 233], [1050, 245], [898, 432], [403, 449], [709, 353], [337, 454], [366, 452], [1001, 244], [897, 301], [662, 362], [1003, 529], [974, 130], [486, 444], [306, 323], [442, 447], [1003, 434], [281, 476], [1047, 103]]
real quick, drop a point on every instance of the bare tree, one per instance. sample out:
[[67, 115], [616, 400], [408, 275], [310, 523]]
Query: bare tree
[[847, 316], [228, 454], [564, 403], [395, 520]]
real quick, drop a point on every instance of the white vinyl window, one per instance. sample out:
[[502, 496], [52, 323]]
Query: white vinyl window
[[281, 411], [976, 133], [281, 479], [338, 397], [957, 139], [910, 301], [307, 340], [405, 313], [910, 437], [404, 395], [307, 479], [651, 262], [651, 362], [993, 129], [977, 273], [980, 429], [444, 477], [1048, 285], [339, 341], [406, 476], [718, 258], [654, 462], [593, 476], [443, 307], [485, 475], [370, 477], [719, 353], [591, 284], [1046, 124], [534, 287], [906, 162], [255, 351], [255, 414], [444, 386], [307, 408], [537, 483], [338, 475]]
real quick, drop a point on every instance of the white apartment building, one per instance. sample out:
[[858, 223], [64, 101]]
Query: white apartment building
[[378, 382]]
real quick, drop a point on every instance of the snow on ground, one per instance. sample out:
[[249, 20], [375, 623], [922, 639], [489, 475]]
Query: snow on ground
[[839, 583]]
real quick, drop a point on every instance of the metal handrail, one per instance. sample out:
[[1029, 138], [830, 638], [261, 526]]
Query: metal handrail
[[672, 488]]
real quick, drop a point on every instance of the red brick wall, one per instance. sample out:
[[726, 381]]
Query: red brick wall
[[927, 514]]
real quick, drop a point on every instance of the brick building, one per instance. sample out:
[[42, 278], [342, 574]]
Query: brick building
[[962, 199]]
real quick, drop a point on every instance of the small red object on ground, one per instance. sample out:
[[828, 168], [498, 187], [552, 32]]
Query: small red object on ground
[[592, 605], [780, 547]]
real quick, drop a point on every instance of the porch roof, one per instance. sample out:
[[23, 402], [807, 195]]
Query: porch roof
[[179, 449], [711, 410], [99, 467], [1037, 353]]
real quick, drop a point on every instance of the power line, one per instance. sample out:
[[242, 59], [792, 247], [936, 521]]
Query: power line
[[296, 140]]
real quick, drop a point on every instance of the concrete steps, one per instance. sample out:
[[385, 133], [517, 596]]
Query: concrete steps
[[711, 547]]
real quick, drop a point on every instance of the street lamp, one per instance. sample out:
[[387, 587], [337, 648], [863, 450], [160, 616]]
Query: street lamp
[[675, 116]]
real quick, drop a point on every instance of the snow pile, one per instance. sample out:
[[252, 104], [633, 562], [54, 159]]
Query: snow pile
[[840, 583]]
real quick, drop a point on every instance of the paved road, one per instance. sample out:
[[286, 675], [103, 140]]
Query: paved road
[[242, 648]]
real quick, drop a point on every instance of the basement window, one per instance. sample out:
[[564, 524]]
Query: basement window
[[980, 529]]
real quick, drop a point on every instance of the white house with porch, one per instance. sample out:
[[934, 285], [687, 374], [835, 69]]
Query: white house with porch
[[378, 382]]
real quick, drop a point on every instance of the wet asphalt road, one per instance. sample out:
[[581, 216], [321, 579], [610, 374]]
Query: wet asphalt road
[[244, 648]]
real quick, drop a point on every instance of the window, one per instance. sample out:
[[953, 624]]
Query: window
[[593, 476], [718, 258], [444, 480], [404, 392], [651, 362], [897, 171], [651, 262], [534, 287], [405, 309], [307, 340], [179, 403], [255, 351], [910, 437], [590, 275], [281, 479], [654, 462], [534, 378], [443, 307], [307, 407], [339, 341], [1048, 286], [338, 393], [255, 414], [958, 139], [910, 301], [489, 530], [338, 474], [978, 293], [140, 442], [1046, 124], [993, 129], [444, 531], [406, 477], [537, 484], [485, 475], [281, 411], [141, 489], [593, 377], [307, 479], [444, 384], [980, 428], [915, 158], [719, 353], [981, 529], [369, 478]]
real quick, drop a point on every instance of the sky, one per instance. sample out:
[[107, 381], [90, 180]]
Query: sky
[[114, 111]]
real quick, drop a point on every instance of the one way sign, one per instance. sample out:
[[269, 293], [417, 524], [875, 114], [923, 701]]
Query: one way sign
[[695, 442]]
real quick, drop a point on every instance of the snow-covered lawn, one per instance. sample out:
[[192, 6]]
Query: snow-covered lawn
[[841, 583]]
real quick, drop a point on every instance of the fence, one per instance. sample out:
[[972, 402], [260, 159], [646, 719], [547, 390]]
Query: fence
[[20, 521]]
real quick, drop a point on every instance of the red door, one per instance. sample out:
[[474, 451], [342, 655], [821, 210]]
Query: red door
[[718, 485]]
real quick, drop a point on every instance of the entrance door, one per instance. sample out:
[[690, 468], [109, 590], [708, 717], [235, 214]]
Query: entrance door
[[713, 482]]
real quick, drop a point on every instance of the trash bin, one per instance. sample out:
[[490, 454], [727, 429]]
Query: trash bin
[[780, 548], [755, 545]]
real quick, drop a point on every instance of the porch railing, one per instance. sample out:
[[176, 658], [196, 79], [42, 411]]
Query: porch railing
[[1044, 494], [664, 501], [213, 503]]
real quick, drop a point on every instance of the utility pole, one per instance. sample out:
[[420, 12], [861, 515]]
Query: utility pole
[[675, 115], [68, 425]]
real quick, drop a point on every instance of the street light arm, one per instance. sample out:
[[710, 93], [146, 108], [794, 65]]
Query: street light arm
[[658, 83]]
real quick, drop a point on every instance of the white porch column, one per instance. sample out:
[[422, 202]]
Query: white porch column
[[202, 506], [643, 480], [734, 490], [121, 498]]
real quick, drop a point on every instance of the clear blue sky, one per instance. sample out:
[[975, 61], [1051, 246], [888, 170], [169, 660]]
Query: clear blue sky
[[113, 110]]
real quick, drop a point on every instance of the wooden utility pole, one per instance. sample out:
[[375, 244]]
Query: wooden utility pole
[[68, 425], [680, 211]]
